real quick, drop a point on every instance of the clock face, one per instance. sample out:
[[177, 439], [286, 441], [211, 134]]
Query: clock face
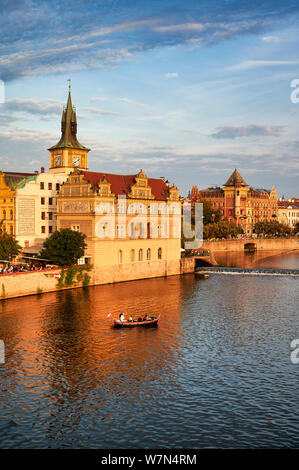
[[76, 160], [57, 161]]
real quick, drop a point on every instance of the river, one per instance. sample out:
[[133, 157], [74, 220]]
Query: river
[[215, 373]]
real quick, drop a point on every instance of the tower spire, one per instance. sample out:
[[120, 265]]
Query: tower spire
[[69, 127]]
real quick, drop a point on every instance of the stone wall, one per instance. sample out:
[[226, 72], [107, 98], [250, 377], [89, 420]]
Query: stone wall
[[29, 283], [266, 244]]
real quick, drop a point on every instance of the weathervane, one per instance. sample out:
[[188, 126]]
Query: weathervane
[[69, 80]]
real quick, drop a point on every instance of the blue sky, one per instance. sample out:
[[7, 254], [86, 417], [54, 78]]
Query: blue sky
[[186, 90]]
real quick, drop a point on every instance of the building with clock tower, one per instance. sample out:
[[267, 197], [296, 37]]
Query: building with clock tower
[[68, 153]]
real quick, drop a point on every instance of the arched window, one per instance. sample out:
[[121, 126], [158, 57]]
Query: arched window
[[140, 255], [132, 256], [11, 214], [148, 254], [148, 230], [120, 257], [159, 253]]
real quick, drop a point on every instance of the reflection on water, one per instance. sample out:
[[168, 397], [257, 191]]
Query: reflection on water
[[258, 259], [215, 373]]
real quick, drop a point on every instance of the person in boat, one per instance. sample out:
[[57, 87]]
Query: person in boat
[[122, 317], [130, 318], [146, 318]]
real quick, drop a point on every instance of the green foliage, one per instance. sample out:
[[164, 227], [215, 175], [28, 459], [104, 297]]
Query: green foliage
[[9, 247], [86, 280], [210, 214], [223, 229], [272, 228], [64, 247], [74, 275], [39, 290]]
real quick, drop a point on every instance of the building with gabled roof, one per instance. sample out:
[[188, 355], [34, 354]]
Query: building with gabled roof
[[130, 221], [240, 202]]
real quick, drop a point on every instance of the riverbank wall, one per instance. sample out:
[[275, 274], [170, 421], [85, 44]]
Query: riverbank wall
[[39, 282]]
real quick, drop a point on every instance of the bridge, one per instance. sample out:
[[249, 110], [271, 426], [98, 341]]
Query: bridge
[[250, 244]]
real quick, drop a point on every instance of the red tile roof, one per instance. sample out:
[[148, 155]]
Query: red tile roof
[[121, 184]]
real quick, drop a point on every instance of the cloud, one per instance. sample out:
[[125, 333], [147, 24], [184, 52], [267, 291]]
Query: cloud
[[105, 36], [41, 107], [171, 75], [253, 64], [271, 39], [175, 28], [129, 101], [252, 130], [100, 111]]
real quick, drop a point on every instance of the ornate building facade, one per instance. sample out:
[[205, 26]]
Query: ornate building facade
[[239, 202], [131, 222]]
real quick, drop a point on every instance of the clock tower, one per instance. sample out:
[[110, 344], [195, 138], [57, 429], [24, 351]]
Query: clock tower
[[68, 153]]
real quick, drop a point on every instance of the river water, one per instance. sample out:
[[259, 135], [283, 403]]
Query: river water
[[215, 373]]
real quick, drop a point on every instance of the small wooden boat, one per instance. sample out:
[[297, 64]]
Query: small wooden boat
[[152, 322]]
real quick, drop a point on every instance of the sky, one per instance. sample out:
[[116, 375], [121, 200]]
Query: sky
[[185, 90]]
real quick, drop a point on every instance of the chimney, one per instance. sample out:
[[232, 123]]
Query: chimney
[[42, 170]]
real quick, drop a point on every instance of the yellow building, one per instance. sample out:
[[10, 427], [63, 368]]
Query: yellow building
[[131, 222], [8, 184]]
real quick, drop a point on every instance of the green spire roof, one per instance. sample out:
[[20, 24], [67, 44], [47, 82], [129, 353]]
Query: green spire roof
[[69, 128], [235, 179]]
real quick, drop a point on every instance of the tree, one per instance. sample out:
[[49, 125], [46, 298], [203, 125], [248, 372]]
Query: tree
[[272, 228], [210, 215], [64, 247], [9, 247], [223, 229]]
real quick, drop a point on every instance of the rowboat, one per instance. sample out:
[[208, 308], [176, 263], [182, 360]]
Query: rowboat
[[151, 323]]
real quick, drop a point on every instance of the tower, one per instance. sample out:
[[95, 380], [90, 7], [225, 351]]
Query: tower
[[235, 198], [68, 153]]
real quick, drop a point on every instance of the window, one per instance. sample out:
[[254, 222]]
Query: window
[[50, 186], [76, 228], [43, 229], [141, 230], [43, 215], [42, 185], [11, 214], [42, 200], [120, 231], [11, 229], [50, 201], [148, 254], [57, 186], [120, 257], [50, 215], [159, 253], [50, 229], [140, 255], [4, 214], [132, 256]]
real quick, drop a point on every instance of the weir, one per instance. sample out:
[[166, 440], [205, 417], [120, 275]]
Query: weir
[[248, 271]]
